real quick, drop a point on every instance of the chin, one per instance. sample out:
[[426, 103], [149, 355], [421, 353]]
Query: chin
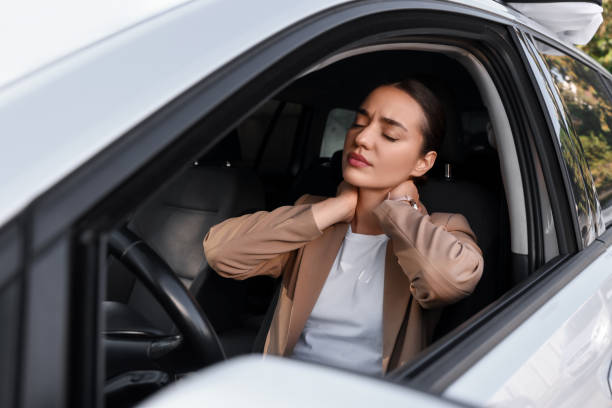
[[360, 180]]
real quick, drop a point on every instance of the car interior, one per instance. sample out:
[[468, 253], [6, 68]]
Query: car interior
[[291, 145]]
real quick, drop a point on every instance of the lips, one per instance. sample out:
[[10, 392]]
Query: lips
[[357, 160]]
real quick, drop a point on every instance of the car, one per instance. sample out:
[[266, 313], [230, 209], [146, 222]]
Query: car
[[127, 132]]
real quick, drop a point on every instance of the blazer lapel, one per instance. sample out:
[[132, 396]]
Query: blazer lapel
[[395, 301], [317, 260]]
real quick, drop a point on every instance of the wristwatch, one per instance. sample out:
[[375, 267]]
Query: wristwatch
[[410, 200]]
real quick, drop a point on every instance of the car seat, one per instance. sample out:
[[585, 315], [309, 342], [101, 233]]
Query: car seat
[[174, 222], [467, 180]]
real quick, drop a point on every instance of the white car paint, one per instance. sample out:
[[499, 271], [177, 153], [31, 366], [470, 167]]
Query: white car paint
[[34, 34], [275, 382], [562, 351], [576, 21]]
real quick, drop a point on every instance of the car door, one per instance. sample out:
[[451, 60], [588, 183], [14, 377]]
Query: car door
[[60, 282], [560, 355]]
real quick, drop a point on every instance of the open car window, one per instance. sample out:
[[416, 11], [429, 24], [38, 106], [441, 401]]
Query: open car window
[[338, 122], [268, 152], [264, 161]]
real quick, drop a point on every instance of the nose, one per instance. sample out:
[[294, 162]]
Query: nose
[[365, 137]]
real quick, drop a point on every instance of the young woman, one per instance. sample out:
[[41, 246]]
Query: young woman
[[365, 273]]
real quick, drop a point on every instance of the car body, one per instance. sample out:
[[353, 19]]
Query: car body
[[107, 112]]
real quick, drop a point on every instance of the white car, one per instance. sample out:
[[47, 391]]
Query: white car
[[129, 128]]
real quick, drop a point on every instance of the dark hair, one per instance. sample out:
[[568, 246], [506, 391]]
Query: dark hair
[[433, 127]]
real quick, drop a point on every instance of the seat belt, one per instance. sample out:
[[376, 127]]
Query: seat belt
[[401, 335], [262, 334]]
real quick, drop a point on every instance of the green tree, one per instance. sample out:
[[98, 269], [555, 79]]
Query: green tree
[[600, 47]]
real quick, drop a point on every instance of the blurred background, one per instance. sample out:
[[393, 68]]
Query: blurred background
[[600, 47]]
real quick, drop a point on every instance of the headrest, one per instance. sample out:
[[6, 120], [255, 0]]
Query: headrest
[[477, 130], [466, 132]]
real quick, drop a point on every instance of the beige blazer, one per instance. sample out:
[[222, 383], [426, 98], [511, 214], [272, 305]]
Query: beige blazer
[[433, 258]]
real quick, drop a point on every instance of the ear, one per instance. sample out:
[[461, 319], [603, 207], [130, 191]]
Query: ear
[[424, 164]]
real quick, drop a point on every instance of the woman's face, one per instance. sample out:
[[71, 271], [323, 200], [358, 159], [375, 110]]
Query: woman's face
[[383, 146]]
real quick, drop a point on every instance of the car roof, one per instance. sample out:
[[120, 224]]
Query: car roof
[[55, 29], [83, 74]]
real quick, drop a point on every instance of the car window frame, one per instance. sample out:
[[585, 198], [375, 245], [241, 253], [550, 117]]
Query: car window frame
[[607, 81], [534, 221], [554, 114]]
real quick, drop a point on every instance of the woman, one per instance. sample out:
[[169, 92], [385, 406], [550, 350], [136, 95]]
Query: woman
[[352, 264]]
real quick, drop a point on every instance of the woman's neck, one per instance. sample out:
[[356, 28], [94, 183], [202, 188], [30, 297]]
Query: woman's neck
[[364, 221]]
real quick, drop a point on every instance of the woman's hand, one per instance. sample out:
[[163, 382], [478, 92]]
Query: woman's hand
[[340, 208], [407, 188]]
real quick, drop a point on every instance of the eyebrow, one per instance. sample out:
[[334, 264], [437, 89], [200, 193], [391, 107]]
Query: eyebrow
[[386, 120]]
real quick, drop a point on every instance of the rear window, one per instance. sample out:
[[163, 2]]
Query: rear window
[[338, 123], [588, 104]]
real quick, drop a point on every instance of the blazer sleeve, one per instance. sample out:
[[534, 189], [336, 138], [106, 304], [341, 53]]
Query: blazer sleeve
[[260, 243], [438, 253]]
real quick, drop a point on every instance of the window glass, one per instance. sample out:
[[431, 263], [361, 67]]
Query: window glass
[[588, 104], [338, 123], [569, 143]]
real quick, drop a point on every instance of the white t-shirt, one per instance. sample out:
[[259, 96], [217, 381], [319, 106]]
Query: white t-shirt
[[345, 326]]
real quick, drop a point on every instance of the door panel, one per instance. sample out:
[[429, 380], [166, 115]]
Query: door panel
[[559, 357]]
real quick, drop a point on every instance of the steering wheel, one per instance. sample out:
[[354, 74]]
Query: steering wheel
[[200, 341]]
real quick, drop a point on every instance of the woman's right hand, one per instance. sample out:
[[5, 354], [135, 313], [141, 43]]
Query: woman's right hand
[[340, 208], [347, 194]]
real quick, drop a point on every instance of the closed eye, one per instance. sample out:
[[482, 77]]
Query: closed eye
[[390, 138]]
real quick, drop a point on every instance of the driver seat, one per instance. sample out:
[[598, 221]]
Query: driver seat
[[174, 222]]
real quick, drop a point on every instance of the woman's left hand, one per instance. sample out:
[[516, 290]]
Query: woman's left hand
[[407, 188]]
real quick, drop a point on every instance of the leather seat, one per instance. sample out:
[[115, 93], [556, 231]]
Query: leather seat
[[174, 222], [466, 179], [473, 188], [322, 178]]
